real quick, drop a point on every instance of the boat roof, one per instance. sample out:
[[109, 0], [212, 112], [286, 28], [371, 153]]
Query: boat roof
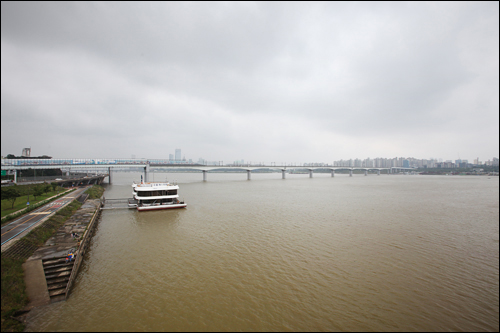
[[153, 185]]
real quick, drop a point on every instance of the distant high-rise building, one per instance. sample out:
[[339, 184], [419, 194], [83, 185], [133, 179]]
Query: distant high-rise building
[[26, 152], [177, 154]]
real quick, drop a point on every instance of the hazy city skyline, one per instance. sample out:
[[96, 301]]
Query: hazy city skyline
[[377, 162], [291, 82]]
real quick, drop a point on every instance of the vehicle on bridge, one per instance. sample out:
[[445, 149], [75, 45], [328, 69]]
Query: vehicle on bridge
[[155, 195]]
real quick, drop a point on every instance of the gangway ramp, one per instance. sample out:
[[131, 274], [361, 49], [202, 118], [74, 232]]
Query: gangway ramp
[[121, 203]]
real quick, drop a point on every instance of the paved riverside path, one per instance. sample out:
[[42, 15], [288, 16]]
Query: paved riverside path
[[13, 231]]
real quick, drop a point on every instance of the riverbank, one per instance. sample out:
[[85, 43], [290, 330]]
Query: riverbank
[[16, 300]]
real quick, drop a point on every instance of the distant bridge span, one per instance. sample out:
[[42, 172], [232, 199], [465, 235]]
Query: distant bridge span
[[110, 164]]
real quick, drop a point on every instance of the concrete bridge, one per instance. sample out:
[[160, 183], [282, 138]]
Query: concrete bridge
[[110, 164], [249, 169]]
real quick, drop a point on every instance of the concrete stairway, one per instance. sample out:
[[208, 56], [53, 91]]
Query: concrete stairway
[[57, 273]]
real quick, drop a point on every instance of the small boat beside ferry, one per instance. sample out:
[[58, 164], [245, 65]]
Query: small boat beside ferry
[[155, 195]]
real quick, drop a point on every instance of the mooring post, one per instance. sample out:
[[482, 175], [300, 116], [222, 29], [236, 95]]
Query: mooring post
[[310, 173], [333, 173], [378, 172], [283, 173], [204, 175], [248, 175], [350, 173], [109, 174], [366, 172]]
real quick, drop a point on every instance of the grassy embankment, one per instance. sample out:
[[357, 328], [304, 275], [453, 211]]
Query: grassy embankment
[[95, 192], [14, 296]]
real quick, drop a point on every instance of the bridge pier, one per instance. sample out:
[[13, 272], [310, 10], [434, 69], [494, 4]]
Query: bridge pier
[[204, 175], [283, 173], [248, 175], [333, 173], [146, 173], [350, 173]]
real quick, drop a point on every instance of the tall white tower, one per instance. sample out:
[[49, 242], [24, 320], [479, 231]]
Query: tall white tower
[[26, 152]]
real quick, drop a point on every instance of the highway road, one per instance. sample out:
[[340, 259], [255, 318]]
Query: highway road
[[21, 226]]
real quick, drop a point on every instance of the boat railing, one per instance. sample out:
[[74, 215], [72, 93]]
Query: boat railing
[[162, 183]]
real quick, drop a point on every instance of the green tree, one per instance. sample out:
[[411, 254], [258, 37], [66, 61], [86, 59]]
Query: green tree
[[38, 191], [54, 185], [47, 188], [26, 189], [11, 193]]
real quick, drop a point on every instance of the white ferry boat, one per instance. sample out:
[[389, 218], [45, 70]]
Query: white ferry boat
[[155, 195]]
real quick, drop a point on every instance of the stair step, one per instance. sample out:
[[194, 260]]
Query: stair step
[[54, 258], [57, 270], [58, 266], [57, 280], [57, 286], [69, 264], [54, 262], [49, 261], [57, 298], [60, 291], [66, 273]]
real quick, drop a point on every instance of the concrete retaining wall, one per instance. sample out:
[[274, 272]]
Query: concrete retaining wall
[[84, 243]]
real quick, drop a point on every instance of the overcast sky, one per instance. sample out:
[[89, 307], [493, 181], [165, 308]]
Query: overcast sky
[[263, 82]]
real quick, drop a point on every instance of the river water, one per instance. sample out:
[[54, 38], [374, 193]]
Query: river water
[[375, 253]]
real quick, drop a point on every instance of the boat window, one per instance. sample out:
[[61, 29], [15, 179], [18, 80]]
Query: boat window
[[155, 193]]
